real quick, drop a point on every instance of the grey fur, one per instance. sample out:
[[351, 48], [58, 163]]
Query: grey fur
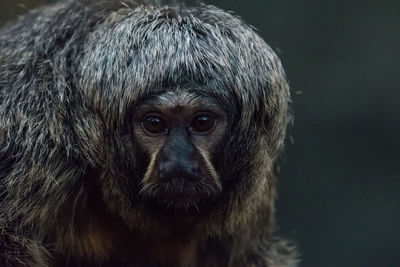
[[70, 77]]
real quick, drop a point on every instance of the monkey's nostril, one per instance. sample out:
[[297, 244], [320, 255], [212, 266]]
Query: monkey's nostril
[[189, 171], [193, 169]]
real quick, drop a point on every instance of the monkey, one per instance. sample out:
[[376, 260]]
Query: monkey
[[139, 134]]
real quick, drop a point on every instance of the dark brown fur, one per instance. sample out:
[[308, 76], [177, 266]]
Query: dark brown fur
[[71, 76]]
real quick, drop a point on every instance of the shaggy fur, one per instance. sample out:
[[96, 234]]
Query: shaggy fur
[[71, 75]]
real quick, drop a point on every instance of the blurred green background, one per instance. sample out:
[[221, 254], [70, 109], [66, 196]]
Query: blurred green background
[[339, 190]]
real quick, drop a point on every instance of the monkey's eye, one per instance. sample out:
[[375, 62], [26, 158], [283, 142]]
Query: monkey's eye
[[155, 125], [202, 124]]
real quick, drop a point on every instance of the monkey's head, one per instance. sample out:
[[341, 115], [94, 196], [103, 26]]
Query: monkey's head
[[177, 112], [194, 108]]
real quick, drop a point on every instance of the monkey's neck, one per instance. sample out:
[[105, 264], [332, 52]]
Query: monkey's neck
[[167, 250], [94, 237], [98, 242]]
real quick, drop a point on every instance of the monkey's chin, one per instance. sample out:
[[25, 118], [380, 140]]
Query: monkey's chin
[[179, 197]]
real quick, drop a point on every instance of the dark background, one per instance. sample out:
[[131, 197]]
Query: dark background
[[339, 191]]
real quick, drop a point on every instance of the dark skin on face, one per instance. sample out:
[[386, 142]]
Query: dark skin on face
[[179, 131]]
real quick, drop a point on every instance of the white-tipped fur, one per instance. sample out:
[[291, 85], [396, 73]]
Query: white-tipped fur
[[71, 76]]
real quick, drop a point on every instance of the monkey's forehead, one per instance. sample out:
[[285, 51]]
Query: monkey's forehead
[[149, 46], [140, 52], [177, 97], [176, 100]]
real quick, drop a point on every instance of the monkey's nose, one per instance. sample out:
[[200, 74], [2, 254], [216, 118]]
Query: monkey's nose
[[176, 168]]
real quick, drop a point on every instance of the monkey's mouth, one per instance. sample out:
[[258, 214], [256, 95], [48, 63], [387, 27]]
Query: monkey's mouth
[[179, 194]]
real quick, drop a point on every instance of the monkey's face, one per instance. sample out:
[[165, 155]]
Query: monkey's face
[[179, 132], [212, 139]]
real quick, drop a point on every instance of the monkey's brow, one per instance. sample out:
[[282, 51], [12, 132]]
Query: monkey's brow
[[173, 99]]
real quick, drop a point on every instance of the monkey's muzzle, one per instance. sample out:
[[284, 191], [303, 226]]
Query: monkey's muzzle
[[180, 193]]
